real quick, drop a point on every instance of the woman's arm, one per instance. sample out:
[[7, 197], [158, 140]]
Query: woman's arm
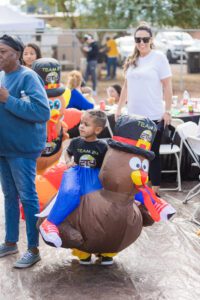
[[167, 96], [122, 100]]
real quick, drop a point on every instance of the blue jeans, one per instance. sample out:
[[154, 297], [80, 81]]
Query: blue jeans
[[91, 70], [111, 64], [17, 177]]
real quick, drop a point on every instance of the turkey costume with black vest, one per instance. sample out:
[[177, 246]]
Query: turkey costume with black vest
[[109, 220], [50, 71]]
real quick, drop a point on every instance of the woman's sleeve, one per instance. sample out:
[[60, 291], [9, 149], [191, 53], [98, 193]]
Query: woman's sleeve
[[36, 108], [164, 69]]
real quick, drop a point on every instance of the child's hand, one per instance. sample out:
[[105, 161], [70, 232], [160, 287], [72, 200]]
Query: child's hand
[[71, 163]]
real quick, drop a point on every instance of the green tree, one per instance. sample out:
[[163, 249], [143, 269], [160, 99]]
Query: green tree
[[114, 14], [186, 14]]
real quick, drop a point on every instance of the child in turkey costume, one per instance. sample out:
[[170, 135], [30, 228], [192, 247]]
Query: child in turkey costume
[[88, 153], [109, 220]]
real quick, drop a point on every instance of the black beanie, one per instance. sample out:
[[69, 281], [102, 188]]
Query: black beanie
[[13, 42]]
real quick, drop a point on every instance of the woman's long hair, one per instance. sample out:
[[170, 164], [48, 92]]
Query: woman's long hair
[[132, 59]]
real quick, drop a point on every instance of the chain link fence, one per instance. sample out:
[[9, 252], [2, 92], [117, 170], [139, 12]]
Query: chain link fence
[[65, 46]]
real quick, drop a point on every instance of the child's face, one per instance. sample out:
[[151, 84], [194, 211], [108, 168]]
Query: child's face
[[87, 128], [112, 93], [29, 56]]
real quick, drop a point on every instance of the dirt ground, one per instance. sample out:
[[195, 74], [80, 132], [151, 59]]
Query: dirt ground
[[181, 81]]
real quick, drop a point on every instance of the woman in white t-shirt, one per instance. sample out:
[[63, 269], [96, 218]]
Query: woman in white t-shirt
[[147, 84]]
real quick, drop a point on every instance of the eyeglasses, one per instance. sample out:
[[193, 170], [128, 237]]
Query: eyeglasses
[[144, 39]]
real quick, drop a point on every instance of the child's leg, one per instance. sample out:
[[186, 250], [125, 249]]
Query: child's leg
[[107, 258], [67, 200], [80, 254], [68, 197], [109, 254], [84, 257]]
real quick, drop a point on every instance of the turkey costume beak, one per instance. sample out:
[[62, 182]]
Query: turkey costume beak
[[139, 177], [55, 115]]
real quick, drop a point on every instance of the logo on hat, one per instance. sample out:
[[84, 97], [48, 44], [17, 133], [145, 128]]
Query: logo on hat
[[52, 77], [49, 70], [134, 134]]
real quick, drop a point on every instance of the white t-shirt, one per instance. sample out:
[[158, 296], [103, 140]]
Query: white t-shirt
[[144, 87]]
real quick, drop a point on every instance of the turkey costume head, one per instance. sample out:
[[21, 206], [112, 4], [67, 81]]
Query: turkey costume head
[[50, 71], [127, 161]]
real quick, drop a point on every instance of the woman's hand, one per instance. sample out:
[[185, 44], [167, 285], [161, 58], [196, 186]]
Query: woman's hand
[[167, 118]]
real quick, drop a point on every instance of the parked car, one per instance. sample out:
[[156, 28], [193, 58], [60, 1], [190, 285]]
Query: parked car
[[173, 44], [125, 45]]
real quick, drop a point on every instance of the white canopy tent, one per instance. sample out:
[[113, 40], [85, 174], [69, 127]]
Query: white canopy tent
[[13, 21]]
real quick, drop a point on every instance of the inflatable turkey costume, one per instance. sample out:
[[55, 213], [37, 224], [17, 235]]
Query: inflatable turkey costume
[[50, 71], [108, 220]]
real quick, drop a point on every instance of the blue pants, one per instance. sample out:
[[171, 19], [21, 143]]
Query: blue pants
[[17, 177], [111, 67], [91, 70], [76, 182]]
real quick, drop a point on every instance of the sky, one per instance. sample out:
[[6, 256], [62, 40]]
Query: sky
[[4, 1]]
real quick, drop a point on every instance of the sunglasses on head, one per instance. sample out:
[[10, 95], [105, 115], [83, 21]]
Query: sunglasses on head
[[144, 39]]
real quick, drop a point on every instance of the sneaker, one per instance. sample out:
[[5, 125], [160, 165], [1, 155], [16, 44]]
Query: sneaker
[[27, 260], [7, 250], [50, 233], [86, 261], [165, 210], [106, 261]]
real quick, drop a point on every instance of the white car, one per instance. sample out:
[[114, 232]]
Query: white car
[[173, 44], [125, 45]]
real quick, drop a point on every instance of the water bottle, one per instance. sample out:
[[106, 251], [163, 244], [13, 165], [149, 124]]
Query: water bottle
[[186, 97], [190, 106], [24, 97]]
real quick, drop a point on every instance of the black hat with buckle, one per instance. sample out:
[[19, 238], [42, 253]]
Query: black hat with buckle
[[134, 134], [49, 70]]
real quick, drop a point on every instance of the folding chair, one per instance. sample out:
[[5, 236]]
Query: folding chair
[[168, 149], [189, 136]]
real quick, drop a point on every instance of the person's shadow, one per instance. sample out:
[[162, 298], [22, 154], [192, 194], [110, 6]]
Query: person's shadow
[[74, 281]]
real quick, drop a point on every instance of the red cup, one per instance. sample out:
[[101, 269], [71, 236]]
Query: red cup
[[102, 105]]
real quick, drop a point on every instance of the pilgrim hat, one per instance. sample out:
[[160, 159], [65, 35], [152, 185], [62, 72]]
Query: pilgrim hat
[[134, 134], [49, 70]]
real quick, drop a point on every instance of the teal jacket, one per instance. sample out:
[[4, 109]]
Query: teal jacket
[[23, 123]]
